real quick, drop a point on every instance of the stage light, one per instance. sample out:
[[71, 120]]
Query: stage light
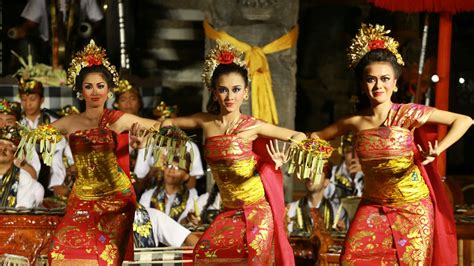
[[461, 80], [435, 78]]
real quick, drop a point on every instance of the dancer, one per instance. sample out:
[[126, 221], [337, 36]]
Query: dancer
[[251, 188], [97, 226], [398, 220]]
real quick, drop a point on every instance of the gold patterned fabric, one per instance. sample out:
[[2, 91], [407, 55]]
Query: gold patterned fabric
[[233, 167], [238, 237], [394, 222], [390, 175], [98, 172]]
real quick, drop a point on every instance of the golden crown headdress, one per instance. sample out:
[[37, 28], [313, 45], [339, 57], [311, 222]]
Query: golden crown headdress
[[223, 53], [7, 107], [10, 133], [163, 111], [124, 86], [92, 55], [370, 38], [68, 110]]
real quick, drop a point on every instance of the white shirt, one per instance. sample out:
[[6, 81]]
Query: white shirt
[[145, 200], [30, 193], [38, 192], [142, 165], [58, 169], [36, 11], [167, 230], [34, 161]]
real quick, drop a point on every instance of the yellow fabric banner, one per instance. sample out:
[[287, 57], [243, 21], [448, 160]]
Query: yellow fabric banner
[[263, 101]]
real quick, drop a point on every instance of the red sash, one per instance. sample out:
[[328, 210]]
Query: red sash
[[445, 241]]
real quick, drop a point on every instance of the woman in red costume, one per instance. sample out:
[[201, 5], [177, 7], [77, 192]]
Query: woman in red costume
[[97, 226], [251, 188], [399, 221]]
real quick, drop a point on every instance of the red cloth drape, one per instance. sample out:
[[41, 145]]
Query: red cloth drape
[[445, 241], [273, 183], [437, 6], [123, 160]]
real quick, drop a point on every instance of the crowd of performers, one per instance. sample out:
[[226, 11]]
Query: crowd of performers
[[129, 180]]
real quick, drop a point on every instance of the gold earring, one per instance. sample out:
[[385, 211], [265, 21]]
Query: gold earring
[[395, 89], [246, 97], [110, 95]]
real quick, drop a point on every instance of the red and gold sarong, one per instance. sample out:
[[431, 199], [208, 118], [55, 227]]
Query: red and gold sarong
[[394, 224], [97, 226]]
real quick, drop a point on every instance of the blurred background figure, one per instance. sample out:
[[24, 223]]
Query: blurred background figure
[[10, 112], [299, 218], [146, 169], [206, 208], [346, 179], [128, 98], [18, 189], [64, 171], [171, 195], [61, 24]]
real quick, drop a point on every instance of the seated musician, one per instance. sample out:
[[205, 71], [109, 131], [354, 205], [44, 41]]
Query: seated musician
[[208, 205], [37, 25], [171, 196], [64, 171], [145, 165], [346, 177], [153, 228], [298, 215], [10, 113], [17, 188]]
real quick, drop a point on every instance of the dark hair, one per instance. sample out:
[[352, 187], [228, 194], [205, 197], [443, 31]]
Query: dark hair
[[377, 55], [223, 69], [94, 69]]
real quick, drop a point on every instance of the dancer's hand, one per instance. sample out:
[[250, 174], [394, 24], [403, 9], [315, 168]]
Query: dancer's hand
[[279, 157], [430, 155], [138, 136]]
